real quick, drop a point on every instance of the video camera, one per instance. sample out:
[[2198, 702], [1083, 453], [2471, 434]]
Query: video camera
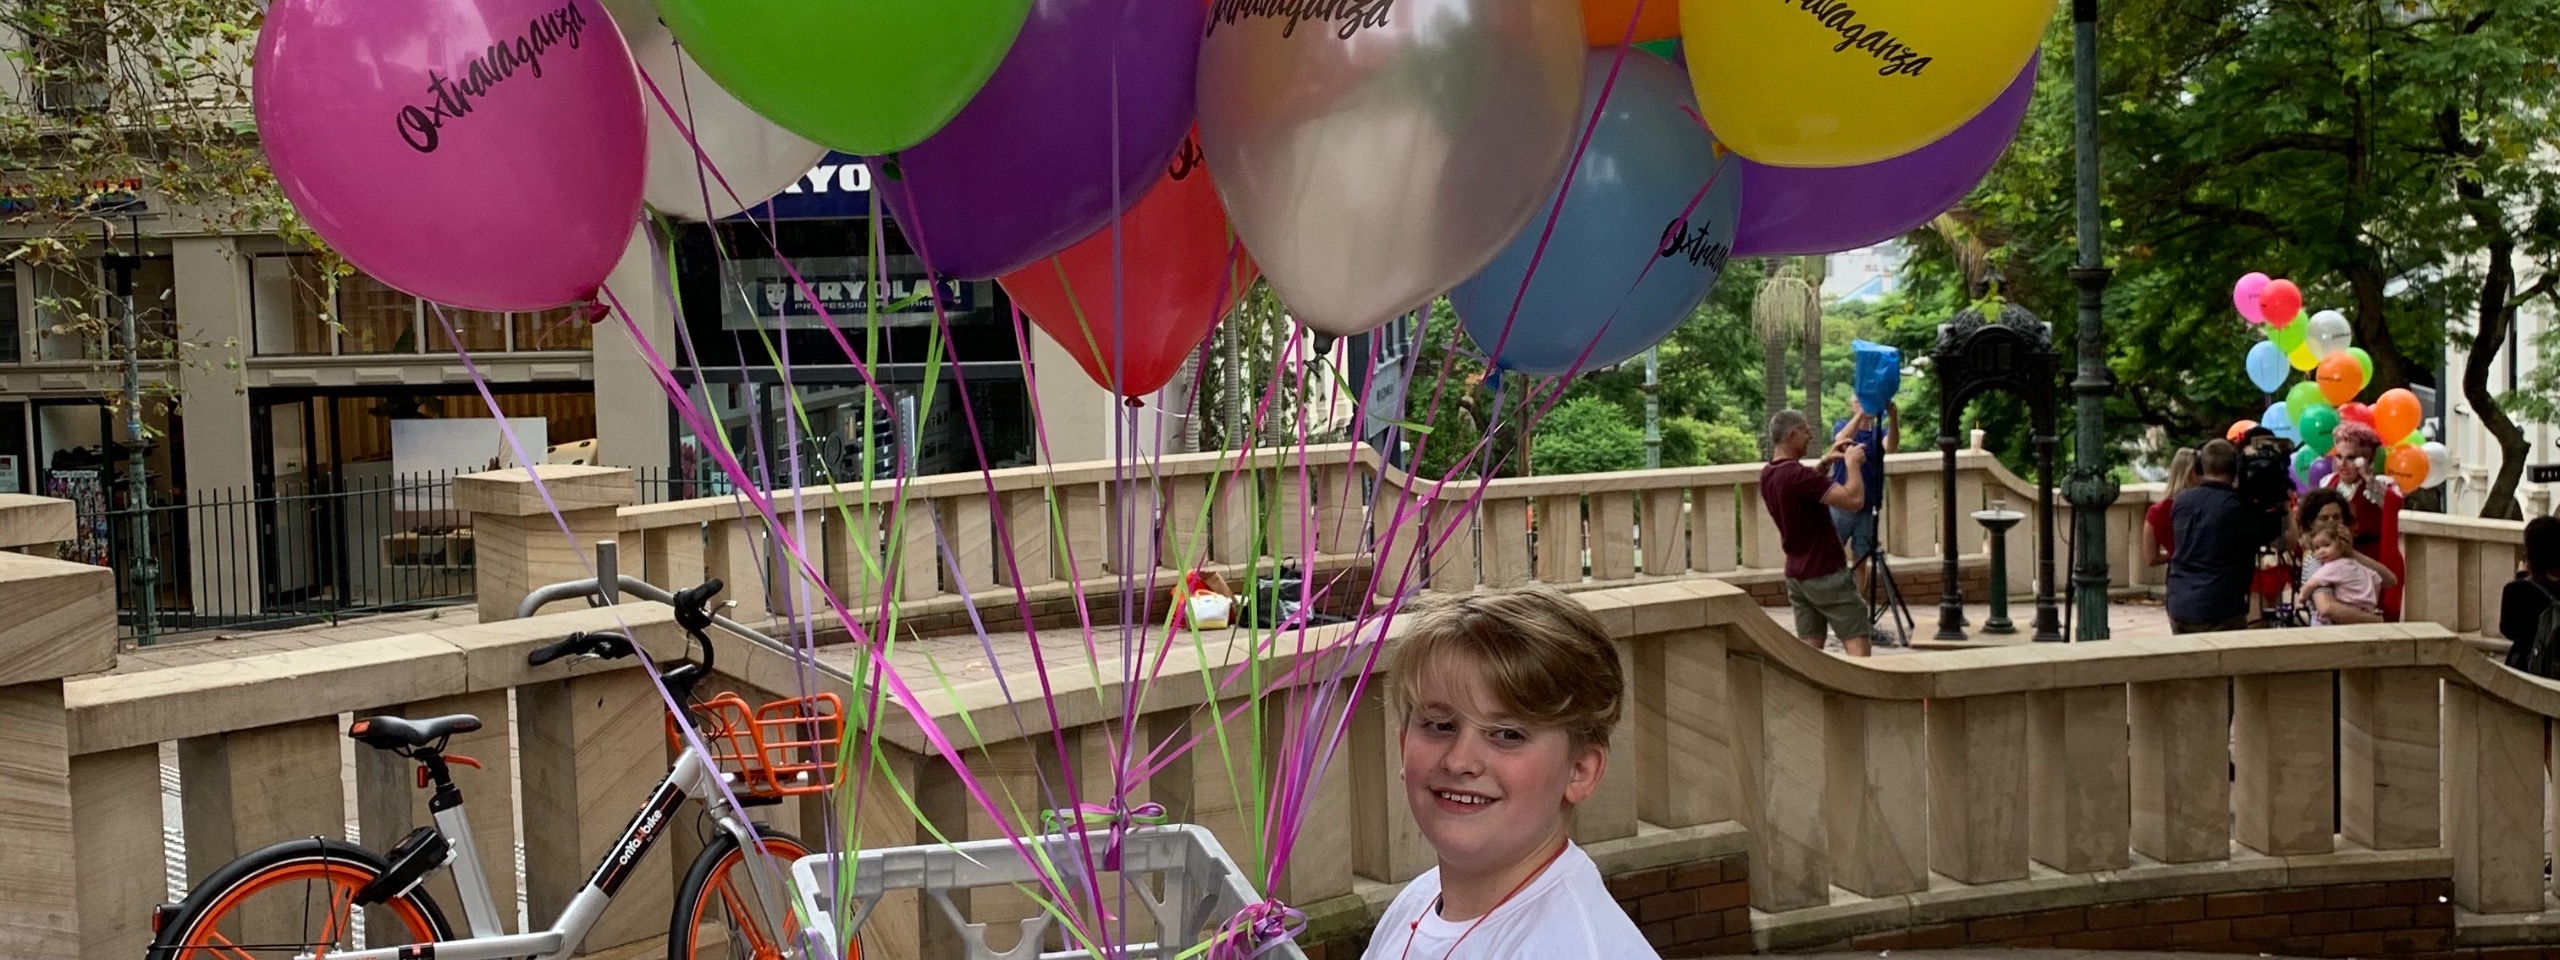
[[2265, 478]]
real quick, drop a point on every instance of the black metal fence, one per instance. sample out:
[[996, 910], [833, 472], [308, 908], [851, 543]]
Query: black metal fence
[[304, 552]]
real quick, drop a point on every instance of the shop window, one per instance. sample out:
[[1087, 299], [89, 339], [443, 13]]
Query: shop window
[[374, 318], [8, 321], [289, 305], [560, 329], [480, 332]]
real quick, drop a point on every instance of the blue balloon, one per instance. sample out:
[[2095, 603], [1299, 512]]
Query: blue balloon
[[2277, 421], [2267, 367], [1643, 235]]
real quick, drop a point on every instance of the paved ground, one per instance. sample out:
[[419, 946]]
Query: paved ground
[[2126, 618]]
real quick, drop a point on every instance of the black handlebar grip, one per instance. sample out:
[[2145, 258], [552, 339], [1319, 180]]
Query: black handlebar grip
[[553, 651]]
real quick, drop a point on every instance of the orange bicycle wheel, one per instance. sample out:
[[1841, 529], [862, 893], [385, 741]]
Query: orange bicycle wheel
[[295, 899], [716, 916]]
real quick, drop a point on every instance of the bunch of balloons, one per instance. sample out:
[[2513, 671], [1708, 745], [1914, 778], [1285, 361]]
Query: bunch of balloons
[[2311, 412], [496, 154]]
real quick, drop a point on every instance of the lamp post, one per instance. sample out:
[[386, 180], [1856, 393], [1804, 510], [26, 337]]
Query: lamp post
[[146, 568], [1653, 408], [2090, 487]]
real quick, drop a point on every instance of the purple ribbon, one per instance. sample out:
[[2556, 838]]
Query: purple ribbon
[[1117, 817], [1256, 930]]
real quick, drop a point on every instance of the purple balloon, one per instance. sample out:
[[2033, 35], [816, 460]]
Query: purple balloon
[[1031, 165], [2321, 469], [1791, 211]]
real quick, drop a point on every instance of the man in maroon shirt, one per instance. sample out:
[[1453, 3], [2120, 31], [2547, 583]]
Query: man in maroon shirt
[[1800, 499]]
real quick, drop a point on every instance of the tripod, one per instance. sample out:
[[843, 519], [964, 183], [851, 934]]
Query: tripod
[[1883, 593]]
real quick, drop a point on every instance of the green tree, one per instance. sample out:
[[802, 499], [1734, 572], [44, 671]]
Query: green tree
[[131, 103], [2389, 157], [1587, 435]]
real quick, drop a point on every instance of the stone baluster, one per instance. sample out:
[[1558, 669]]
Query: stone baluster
[[1683, 750], [1081, 537], [1452, 546], [2281, 729], [1028, 537], [2081, 816], [1666, 552], [518, 540], [1186, 542], [1875, 799], [1977, 800], [1613, 535], [2181, 769], [2494, 797], [856, 566], [592, 747], [1715, 529], [61, 622], [1386, 845], [1506, 542], [1778, 729], [34, 525], [968, 533], [2390, 768], [734, 550], [1560, 539]]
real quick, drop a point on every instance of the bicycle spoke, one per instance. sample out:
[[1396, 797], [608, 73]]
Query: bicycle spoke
[[241, 953], [329, 924], [737, 908]]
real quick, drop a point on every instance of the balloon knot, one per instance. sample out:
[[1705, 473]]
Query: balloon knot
[[889, 168], [593, 309], [1134, 403]]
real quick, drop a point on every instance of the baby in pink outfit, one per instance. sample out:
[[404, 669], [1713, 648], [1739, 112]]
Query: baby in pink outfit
[[2348, 581]]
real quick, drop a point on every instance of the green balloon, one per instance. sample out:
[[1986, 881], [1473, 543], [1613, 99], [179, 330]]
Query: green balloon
[[2303, 458], [2364, 360], [2289, 336], [2319, 428], [862, 76], [1666, 49], [2301, 399]]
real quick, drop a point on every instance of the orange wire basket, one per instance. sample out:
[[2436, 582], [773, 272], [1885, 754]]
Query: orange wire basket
[[781, 749]]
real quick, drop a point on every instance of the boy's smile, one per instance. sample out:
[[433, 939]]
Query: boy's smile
[[1489, 791]]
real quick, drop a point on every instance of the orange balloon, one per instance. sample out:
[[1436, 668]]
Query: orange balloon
[[2395, 414], [2340, 377], [1604, 22], [2407, 466], [2238, 430]]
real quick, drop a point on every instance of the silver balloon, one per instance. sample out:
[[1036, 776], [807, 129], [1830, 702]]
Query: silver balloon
[[755, 158], [2330, 332], [1372, 155], [2439, 465]]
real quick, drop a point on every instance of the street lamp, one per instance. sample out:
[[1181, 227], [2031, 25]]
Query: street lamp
[[2089, 487], [145, 567]]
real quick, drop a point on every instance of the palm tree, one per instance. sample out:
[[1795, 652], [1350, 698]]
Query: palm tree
[[1814, 268], [1784, 305]]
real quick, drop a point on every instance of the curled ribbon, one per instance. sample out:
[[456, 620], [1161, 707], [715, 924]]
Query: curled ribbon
[[1117, 817], [1256, 930]]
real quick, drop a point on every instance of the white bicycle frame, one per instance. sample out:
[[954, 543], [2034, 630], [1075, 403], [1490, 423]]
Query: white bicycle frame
[[693, 777]]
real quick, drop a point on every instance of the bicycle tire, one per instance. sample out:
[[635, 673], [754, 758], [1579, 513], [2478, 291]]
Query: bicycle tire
[[714, 866], [345, 867]]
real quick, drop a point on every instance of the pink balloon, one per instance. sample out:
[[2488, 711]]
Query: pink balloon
[[487, 154], [2244, 295]]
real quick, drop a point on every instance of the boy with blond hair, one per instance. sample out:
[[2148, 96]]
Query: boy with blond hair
[[1507, 700]]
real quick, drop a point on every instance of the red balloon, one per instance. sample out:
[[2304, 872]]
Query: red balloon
[[2280, 302], [2356, 413], [1181, 270]]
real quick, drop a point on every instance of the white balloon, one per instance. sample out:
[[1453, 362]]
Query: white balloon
[[2439, 465], [754, 157], [2330, 332]]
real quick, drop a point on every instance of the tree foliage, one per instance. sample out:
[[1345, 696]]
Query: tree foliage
[[2391, 157], [124, 101]]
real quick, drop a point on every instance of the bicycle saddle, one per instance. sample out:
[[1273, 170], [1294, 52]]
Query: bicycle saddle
[[387, 733]]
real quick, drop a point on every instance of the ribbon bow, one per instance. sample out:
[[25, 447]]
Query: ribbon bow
[[1117, 817], [1256, 930]]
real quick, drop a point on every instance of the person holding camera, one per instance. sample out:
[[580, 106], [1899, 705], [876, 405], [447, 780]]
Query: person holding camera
[[1858, 526], [1800, 499], [2375, 500], [2218, 531]]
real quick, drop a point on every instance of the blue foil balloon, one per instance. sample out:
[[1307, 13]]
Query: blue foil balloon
[[2277, 421], [1630, 257], [2267, 366]]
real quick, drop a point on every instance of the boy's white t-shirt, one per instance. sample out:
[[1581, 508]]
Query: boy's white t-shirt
[[1565, 914]]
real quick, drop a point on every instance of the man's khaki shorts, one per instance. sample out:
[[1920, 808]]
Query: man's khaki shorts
[[1830, 602]]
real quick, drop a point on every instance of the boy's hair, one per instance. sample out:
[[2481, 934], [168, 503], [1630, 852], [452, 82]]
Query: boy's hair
[[1546, 659], [2218, 458]]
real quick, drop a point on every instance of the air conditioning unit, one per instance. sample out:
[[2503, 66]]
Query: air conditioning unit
[[71, 97]]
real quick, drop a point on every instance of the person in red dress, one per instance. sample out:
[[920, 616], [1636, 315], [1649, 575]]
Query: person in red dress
[[2182, 474]]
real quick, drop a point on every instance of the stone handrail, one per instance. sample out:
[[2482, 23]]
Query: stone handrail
[[28, 523]]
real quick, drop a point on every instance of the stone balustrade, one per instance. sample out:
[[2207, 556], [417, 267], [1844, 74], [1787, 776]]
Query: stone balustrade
[[2458, 566], [1047, 545]]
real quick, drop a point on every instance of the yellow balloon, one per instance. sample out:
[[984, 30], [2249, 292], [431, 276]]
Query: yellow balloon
[[2302, 359], [1836, 83]]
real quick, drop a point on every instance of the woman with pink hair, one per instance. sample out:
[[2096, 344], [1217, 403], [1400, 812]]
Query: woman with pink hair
[[2375, 500]]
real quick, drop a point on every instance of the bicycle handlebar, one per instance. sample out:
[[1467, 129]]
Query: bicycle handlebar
[[601, 645]]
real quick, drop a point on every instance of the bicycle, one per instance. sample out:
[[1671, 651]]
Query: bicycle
[[764, 754]]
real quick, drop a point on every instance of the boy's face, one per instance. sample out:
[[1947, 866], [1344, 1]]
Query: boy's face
[[1487, 789]]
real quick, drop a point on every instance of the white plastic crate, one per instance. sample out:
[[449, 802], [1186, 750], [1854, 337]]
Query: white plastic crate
[[1201, 887]]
